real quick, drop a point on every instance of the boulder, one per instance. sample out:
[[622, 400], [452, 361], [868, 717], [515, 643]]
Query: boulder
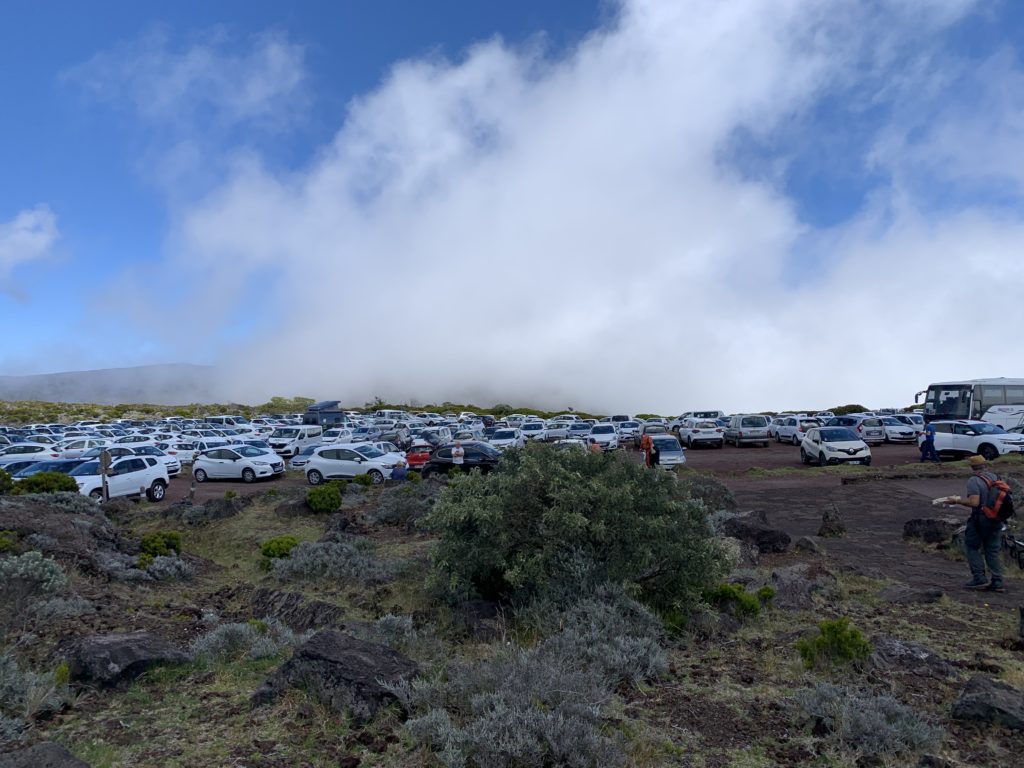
[[892, 653], [294, 610], [46, 754], [106, 660], [795, 586], [990, 701], [755, 530], [343, 672], [742, 553], [832, 525], [901, 594], [292, 508], [931, 530], [808, 544]]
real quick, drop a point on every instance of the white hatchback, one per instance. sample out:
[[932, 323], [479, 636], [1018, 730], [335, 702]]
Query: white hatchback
[[605, 435], [330, 462], [236, 462]]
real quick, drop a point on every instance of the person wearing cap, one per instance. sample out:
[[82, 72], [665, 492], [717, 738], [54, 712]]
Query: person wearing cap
[[983, 536]]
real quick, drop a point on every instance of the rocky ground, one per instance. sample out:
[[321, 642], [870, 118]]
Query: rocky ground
[[209, 658]]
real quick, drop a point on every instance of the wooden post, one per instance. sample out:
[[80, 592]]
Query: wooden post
[[105, 461]]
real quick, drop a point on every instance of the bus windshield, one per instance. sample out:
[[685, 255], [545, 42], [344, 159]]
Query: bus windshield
[[948, 401]]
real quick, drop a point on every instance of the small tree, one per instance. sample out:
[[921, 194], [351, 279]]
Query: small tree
[[555, 524]]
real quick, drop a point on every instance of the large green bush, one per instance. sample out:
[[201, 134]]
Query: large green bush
[[161, 543], [556, 524], [279, 546], [45, 482]]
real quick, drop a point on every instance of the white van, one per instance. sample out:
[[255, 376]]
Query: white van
[[289, 441], [228, 421]]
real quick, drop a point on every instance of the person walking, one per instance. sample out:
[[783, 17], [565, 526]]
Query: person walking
[[928, 452], [595, 447], [983, 535]]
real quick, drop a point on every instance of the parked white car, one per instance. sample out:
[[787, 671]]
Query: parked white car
[[236, 462], [507, 438], [793, 429], [183, 452], [36, 451], [128, 476], [967, 438], [627, 429], [701, 432], [747, 428], [329, 462], [606, 436], [533, 430], [172, 463], [73, 449], [833, 445], [896, 431], [337, 435]]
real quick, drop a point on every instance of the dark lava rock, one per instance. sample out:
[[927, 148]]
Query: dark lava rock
[[213, 509], [756, 530], [902, 594], [294, 610], [934, 761], [46, 754], [832, 525], [932, 530], [891, 653], [343, 672], [808, 544], [106, 660], [292, 508], [990, 701]]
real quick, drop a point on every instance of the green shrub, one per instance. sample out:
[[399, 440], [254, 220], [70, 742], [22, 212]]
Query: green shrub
[[45, 482], [364, 480], [229, 495], [161, 543], [557, 524], [324, 498], [734, 599], [24, 579], [279, 546], [765, 595], [414, 478], [836, 643], [8, 541], [6, 483], [145, 560]]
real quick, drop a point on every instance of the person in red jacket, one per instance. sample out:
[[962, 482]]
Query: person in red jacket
[[646, 445]]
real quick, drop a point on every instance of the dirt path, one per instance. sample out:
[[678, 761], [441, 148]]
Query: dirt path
[[874, 514]]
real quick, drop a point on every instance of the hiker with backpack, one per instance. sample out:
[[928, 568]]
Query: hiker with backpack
[[991, 505]]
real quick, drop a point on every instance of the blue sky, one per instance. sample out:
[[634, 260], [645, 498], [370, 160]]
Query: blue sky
[[175, 173]]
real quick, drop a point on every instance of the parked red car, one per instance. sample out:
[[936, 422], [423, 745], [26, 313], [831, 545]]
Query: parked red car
[[417, 456]]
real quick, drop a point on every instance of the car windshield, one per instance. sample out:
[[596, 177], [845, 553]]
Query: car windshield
[[505, 434], [603, 429], [754, 421], [890, 421], [654, 429], [285, 433], [88, 468], [988, 429], [669, 444], [838, 435], [532, 427], [249, 452], [629, 425], [369, 452], [488, 450], [581, 426]]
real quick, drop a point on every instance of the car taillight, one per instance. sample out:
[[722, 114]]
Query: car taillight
[[741, 434], [696, 431], [719, 430]]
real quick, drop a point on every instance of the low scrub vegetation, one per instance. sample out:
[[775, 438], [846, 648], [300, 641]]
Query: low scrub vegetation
[[6, 483], [877, 727], [45, 482], [25, 579], [324, 499], [554, 525], [329, 560], [734, 599], [279, 546], [255, 639], [836, 643]]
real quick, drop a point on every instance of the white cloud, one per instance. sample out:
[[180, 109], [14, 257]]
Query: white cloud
[[29, 236], [215, 81], [513, 228]]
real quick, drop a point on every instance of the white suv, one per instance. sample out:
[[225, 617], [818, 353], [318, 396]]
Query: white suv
[[606, 436], [967, 438], [128, 476], [329, 462]]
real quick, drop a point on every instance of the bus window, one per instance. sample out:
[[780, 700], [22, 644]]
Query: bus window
[[1015, 395], [951, 402], [992, 396]]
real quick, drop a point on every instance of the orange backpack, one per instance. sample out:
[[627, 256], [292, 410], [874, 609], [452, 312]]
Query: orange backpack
[[999, 504]]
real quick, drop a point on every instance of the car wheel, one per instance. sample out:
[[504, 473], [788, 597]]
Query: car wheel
[[313, 477], [199, 475], [803, 457], [96, 494], [988, 452], [156, 491], [822, 461], [248, 475], [376, 476], [867, 462], [721, 444], [796, 440]]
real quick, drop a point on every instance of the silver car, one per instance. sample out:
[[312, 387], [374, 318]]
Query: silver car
[[747, 429], [868, 428]]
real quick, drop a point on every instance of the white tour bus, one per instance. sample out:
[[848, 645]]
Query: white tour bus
[[998, 401]]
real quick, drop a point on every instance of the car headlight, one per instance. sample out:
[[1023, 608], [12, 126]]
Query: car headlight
[[831, 449], [262, 463]]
